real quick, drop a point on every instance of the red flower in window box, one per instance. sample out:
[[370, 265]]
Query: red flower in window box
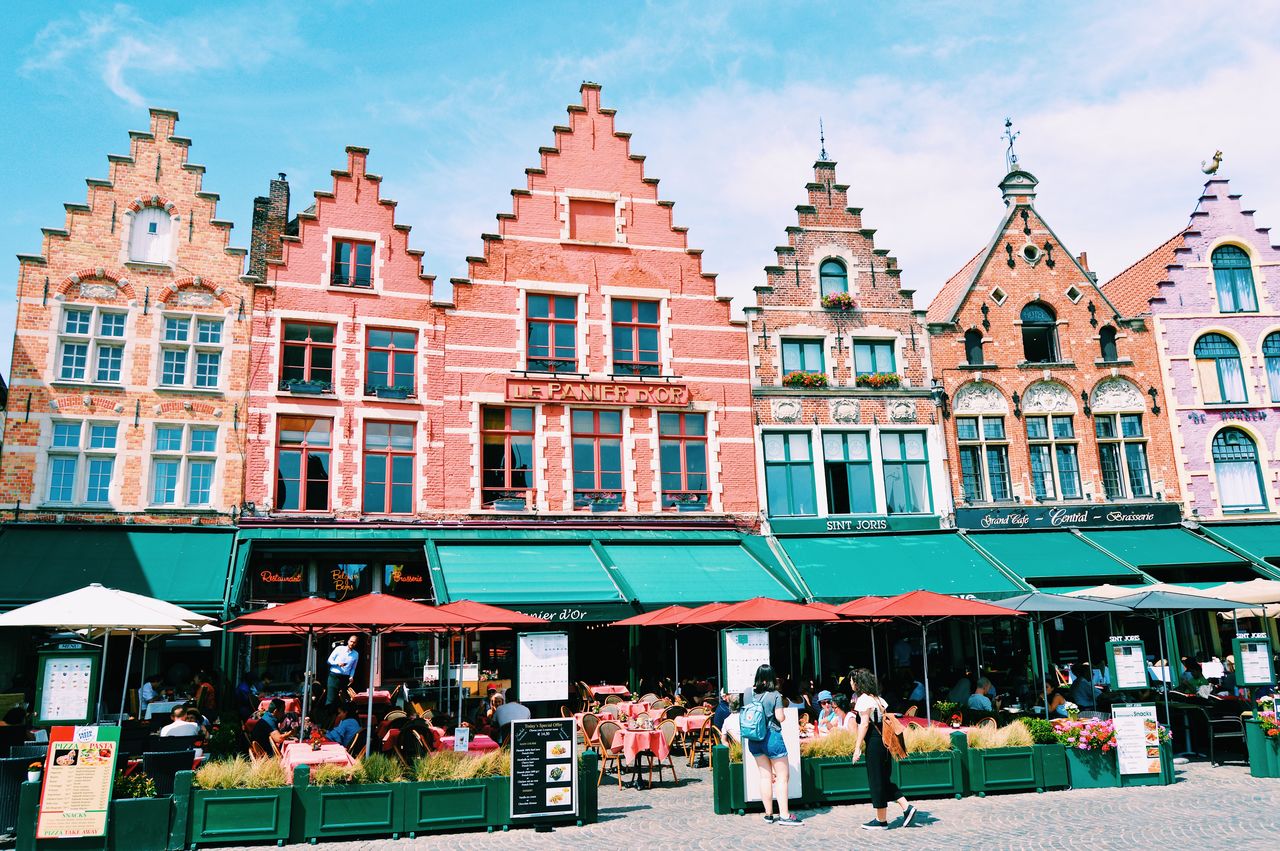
[[839, 301], [879, 380], [805, 379]]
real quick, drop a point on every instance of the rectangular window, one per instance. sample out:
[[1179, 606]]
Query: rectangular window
[[971, 473], [1055, 467], [165, 481], [906, 472], [352, 264], [78, 346], [850, 481], [597, 456], [388, 468], [788, 473], [302, 463], [635, 337], [1122, 452], [307, 358], [984, 458], [63, 466], [199, 482], [183, 463], [553, 333], [173, 367], [191, 352], [802, 356], [110, 359], [870, 357], [99, 484], [506, 438], [682, 450], [208, 366], [390, 359]]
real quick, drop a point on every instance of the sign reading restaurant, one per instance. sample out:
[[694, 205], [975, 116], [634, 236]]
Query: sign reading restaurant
[[597, 392], [1113, 516]]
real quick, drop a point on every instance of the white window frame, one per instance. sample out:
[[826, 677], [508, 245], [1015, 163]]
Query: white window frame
[[1053, 442], [193, 348], [185, 456], [94, 342], [82, 454], [982, 443], [1123, 442]]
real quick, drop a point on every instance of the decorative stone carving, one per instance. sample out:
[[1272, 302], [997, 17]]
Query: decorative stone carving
[[1048, 397], [901, 410], [980, 397], [845, 410], [787, 410], [1117, 394], [97, 290], [193, 298]]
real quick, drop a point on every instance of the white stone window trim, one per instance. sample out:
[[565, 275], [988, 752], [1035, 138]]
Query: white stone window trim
[[94, 342], [379, 250], [419, 425], [808, 333], [1256, 264], [419, 394], [126, 235], [193, 348], [1248, 361], [628, 448], [715, 485], [1156, 487], [663, 298], [272, 435], [82, 454], [1266, 458], [528, 288], [184, 455], [833, 251], [877, 334], [566, 197], [541, 489]]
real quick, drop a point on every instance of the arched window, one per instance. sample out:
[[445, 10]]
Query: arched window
[[1271, 353], [1234, 279], [973, 347], [1039, 333], [1107, 342], [149, 236], [1218, 366], [833, 277], [1235, 465]]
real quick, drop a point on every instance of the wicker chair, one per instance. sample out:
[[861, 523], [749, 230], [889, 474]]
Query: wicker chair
[[911, 711], [590, 722], [669, 732], [356, 748], [699, 741], [613, 698], [608, 753], [648, 697], [256, 751], [986, 723], [660, 703]]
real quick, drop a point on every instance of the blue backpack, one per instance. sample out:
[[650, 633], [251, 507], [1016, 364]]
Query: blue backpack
[[754, 724]]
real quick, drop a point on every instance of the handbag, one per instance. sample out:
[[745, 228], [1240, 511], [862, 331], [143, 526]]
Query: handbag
[[893, 734]]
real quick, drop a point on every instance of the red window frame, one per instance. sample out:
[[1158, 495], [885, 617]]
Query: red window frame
[[350, 275], [390, 454], [308, 346], [392, 350], [305, 450], [489, 494], [684, 439], [636, 366], [555, 360], [582, 496]]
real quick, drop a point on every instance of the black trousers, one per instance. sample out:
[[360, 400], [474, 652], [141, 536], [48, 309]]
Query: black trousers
[[879, 765]]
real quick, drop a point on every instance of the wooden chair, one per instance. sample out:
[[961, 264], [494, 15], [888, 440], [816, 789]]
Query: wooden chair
[[356, 748], [699, 741], [669, 731], [564, 711], [911, 711], [256, 751], [613, 698], [648, 697], [987, 723], [675, 712], [590, 722], [660, 703], [608, 753]]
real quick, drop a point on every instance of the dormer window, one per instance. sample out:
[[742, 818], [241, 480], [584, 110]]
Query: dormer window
[[1233, 278], [149, 236], [1039, 333], [352, 264], [833, 277], [1107, 343]]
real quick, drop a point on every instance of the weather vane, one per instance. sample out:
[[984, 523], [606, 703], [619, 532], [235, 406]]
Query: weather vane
[[822, 140], [1010, 158]]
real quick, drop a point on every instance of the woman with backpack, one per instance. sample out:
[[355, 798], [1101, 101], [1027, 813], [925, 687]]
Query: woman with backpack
[[871, 730], [761, 726]]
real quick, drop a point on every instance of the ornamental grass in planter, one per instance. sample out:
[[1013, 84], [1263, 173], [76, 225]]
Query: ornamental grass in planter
[[458, 790], [240, 800], [1001, 758], [364, 799], [933, 765]]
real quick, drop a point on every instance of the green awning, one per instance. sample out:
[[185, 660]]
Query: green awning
[[1147, 548], [1042, 557], [1261, 540], [185, 566], [842, 568], [692, 574], [524, 573]]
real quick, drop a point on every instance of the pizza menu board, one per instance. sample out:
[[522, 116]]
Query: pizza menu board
[[1137, 738], [542, 666], [1128, 663], [66, 683], [745, 650], [1254, 666], [78, 774], [544, 769]]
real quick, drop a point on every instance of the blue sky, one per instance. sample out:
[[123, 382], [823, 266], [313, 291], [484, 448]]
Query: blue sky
[[1117, 105]]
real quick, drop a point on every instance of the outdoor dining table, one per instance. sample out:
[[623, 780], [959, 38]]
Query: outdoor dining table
[[624, 709], [301, 753], [690, 723], [602, 689], [162, 708], [379, 696], [291, 704], [478, 744]]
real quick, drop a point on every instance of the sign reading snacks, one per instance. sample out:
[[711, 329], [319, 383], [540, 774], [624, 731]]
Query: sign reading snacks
[[1128, 669], [79, 771], [544, 769], [1077, 516], [597, 392], [1253, 659], [1137, 738]]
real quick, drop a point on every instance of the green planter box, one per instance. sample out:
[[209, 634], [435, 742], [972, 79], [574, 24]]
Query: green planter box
[[140, 824], [727, 787], [1053, 765], [235, 816], [1164, 778], [1264, 751], [1096, 770], [829, 780], [355, 809], [930, 775], [1003, 769], [455, 805]]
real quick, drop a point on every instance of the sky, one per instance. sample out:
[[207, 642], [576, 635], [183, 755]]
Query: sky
[[1117, 105]]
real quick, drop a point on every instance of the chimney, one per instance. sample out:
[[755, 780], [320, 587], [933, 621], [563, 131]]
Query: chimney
[[270, 216], [1083, 260]]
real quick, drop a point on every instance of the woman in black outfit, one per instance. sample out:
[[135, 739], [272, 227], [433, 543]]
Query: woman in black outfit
[[871, 708]]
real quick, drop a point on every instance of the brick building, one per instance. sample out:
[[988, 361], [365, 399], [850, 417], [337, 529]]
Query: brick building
[[845, 424]]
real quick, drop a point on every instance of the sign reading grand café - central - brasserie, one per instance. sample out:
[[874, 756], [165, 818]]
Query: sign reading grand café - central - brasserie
[[1113, 516], [597, 392]]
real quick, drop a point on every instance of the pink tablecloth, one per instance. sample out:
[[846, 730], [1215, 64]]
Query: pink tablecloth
[[291, 704], [479, 744], [379, 696], [300, 753], [634, 742], [625, 709], [596, 691], [689, 723]]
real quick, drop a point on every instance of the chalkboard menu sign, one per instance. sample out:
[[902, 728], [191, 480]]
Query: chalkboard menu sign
[[544, 769]]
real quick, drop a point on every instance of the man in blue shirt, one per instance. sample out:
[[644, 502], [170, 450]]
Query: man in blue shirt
[[345, 727], [979, 701], [342, 667], [723, 711]]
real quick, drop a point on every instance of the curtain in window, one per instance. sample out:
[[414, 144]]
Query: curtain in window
[[1238, 484], [1233, 278], [1271, 352], [1231, 374]]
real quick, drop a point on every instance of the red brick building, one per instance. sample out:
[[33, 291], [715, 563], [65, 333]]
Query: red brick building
[[1045, 384], [845, 422], [130, 355]]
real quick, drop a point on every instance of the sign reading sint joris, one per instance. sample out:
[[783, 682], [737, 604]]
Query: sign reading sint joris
[[597, 392]]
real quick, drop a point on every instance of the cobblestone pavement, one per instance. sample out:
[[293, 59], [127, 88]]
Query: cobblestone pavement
[[1209, 807]]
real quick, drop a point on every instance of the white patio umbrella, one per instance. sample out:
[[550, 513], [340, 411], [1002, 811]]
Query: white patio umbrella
[[1265, 592]]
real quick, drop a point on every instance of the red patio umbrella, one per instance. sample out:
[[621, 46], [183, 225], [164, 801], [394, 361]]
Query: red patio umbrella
[[655, 618], [858, 607], [271, 621], [493, 617], [759, 610]]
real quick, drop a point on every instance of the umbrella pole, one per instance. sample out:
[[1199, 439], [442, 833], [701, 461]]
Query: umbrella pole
[[875, 671], [142, 672], [1044, 668], [977, 655], [462, 667], [368, 735], [1168, 667], [924, 646], [677, 638], [102, 677], [307, 662], [128, 660]]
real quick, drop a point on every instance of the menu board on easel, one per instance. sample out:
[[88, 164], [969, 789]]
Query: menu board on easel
[[744, 650], [1137, 738], [1254, 664], [65, 681], [1128, 657], [79, 772], [544, 769], [542, 666]]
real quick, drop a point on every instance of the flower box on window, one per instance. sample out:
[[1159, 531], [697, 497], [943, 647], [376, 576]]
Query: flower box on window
[[805, 379], [600, 503], [688, 501], [510, 501], [295, 385], [879, 380], [384, 392], [839, 301]]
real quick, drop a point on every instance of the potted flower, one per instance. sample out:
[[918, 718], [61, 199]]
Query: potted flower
[[510, 501], [34, 770], [1091, 760], [688, 501], [298, 385], [139, 820], [802, 379], [842, 302], [602, 502], [944, 709], [879, 380], [1262, 739]]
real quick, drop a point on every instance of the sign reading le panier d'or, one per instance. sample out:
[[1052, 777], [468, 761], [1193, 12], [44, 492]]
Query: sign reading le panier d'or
[[597, 392], [544, 769], [1065, 517]]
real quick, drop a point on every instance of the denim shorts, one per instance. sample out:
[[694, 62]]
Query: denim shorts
[[771, 746]]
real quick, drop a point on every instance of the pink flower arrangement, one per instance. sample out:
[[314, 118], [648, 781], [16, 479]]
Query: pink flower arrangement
[[839, 301], [800, 378], [1090, 734], [1270, 724]]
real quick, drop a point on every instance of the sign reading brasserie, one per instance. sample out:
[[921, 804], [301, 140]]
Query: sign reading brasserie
[[1065, 517], [596, 392]]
